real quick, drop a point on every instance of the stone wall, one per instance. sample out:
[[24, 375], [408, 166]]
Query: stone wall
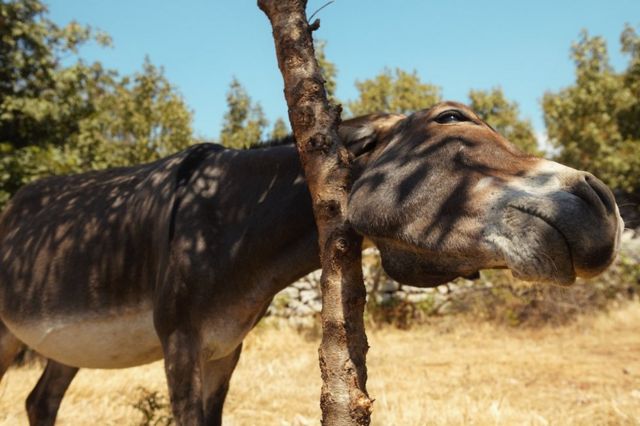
[[303, 298], [301, 301]]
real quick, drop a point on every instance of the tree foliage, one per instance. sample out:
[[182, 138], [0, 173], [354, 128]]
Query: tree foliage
[[504, 116], [37, 106], [595, 123], [244, 122], [63, 116], [328, 69], [137, 119], [57, 118], [398, 91], [280, 129]]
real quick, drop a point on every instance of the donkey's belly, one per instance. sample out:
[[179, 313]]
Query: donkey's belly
[[109, 340]]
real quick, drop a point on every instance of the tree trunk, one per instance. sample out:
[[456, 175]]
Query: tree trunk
[[326, 163]]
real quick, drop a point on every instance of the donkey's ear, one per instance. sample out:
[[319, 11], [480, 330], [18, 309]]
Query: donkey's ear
[[361, 135]]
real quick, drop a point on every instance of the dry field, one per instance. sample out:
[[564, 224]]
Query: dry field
[[587, 373]]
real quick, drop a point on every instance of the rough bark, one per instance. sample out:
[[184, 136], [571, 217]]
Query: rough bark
[[344, 399]]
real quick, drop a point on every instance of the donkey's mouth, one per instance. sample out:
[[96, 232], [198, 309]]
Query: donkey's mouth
[[549, 222], [535, 248], [533, 212]]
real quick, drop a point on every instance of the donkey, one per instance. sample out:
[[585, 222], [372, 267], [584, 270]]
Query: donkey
[[180, 258]]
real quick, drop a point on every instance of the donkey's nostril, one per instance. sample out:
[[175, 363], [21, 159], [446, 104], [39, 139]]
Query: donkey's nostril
[[583, 190], [602, 191]]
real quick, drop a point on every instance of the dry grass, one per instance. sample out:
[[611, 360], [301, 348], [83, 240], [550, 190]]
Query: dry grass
[[585, 373]]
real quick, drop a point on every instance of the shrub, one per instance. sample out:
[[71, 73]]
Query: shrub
[[154, 407]]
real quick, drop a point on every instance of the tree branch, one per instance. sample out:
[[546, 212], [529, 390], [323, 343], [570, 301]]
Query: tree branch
[[344, 399]]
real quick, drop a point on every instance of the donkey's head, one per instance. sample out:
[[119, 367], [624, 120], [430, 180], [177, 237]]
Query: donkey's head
[[443, 195]]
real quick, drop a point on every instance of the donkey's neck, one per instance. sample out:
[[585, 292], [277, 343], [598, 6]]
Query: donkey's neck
[[264, 201]]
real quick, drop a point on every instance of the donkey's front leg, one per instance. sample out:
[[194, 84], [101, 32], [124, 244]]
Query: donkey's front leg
[[174, 322], [181, 364], [215, 384]]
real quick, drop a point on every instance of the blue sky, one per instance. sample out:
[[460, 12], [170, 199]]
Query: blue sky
[[522, 46]]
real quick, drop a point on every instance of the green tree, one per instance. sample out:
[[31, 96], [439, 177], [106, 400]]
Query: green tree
[[137, 119], [57, 119], [244, 121], [37, 102], [398, 91], [328, 70], [494, 108], [280, 129], [595, 123]]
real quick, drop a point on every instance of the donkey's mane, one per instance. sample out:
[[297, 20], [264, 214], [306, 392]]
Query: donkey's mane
[[286, 140]]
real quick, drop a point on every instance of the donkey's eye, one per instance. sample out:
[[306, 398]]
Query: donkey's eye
[[451, 116]]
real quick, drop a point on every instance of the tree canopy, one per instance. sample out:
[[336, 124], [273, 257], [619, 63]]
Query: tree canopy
[[398, 91], [63, 116], [60, 114], [328, 69], [504, 116], [595, 122], [244, 122], [280, 129]]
